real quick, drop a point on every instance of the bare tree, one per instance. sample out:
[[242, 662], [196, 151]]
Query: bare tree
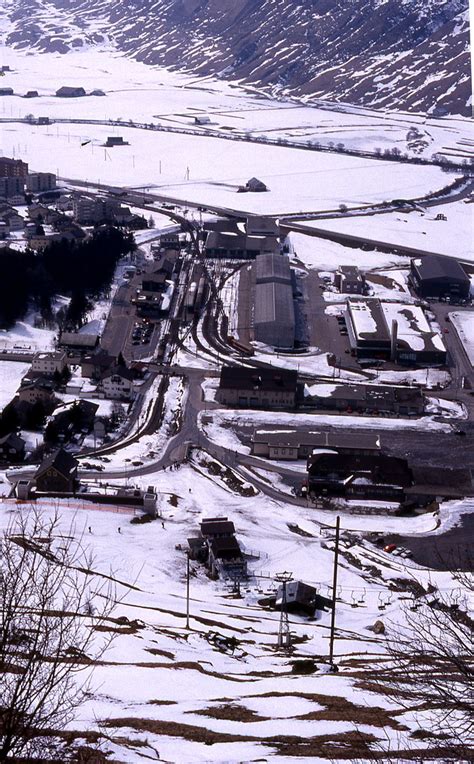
[[50, 607], [430, 670]]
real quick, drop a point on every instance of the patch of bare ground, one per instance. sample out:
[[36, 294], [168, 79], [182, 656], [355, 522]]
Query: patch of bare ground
[[228, 477], [335, 747], [338, 709], [163, 653], [232, 713], [162, 702]]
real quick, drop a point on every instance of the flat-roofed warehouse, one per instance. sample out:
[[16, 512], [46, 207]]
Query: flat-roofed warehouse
[[434, 276], [399, 331], [274, 315]]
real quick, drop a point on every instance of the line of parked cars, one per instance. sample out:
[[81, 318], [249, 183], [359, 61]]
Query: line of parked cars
[[142, 332]]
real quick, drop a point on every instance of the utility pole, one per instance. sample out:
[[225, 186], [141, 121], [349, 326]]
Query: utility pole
[[187, 590], [284, 634], [334, 587]]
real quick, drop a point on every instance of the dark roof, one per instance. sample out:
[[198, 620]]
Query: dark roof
[[13, 440], [100, 358], [226, 548], [241, 378], [350, 271], [62, 461], [120, 371], [217, 525], [298, 591], [316, 439], [76, 339], [435, 267]]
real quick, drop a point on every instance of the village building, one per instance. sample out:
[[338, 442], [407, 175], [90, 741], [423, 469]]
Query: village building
[[12, 448], [12, 188], [403, 401], [117, 383], [242, 387], [94, 365], [13, 168], [36, 390], [286, 443], [300, 598], [349, 280], [218, 549], [80, 341], [48, 364], [40, 181], [364, 476], [57, 474], [439, 277]]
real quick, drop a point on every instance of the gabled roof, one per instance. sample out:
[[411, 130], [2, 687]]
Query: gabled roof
[[62, 461], [217, 525], [13, 440]]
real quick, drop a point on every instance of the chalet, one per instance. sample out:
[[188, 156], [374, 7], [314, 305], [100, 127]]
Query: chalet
[[6, 91], [117, 383], [257, 388], [70, 419], [12, 220], [36, 390], [202, 119], [31, 94], [57, 473], [12, 448]]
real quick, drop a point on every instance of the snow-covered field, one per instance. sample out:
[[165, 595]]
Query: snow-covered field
[[11, 374], [417, 229], [206, 170], [144, 93], [163, 688]]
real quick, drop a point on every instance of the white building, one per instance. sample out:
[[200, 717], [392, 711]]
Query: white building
[[49, 363], [117, 384]]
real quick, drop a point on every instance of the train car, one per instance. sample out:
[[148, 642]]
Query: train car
[[244, 349], [190, 299], [200, 294]]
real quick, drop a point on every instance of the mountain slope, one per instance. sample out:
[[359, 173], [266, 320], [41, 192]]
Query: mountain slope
[[410, 54]]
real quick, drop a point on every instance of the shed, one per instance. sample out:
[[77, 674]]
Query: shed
[[70, 92]]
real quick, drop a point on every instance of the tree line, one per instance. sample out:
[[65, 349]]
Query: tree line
[[80, 270]]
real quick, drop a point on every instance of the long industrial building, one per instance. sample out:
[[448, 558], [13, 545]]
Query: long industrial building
[[274, 313]]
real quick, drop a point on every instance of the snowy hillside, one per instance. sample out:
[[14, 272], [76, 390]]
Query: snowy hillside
[[383, 53]]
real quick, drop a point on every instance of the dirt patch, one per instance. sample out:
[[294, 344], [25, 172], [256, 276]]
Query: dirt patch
[[231, 713], [228, 477]]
